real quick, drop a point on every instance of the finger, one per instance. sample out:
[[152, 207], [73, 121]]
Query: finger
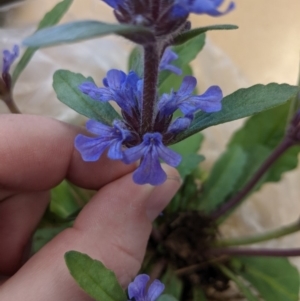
[[114, 228], [19, 217], [37, 153]]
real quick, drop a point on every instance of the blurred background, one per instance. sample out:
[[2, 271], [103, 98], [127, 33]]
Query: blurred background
[[265, 48]]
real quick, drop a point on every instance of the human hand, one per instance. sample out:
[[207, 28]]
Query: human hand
[[36, 154]]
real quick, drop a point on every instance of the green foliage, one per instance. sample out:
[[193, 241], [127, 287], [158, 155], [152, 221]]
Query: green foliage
[[187, 52], [94, 278], [245, 290], [173, 284], [274, 278], [136, 62], [242, 103], [258, 138], [189, 149], [166, 297], [44, 235], [50, 19], [223, 178], [198, 294], [64, 201], [84, 30], [186, 36], [65, 84]]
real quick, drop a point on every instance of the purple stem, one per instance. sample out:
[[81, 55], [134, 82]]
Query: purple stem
[[151, 65], [256, 252], [235, 200]]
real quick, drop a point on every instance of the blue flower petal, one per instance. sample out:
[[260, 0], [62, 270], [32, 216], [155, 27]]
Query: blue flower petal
[[178, 125], [100, 94], [150, 171], [209, 101], [209, 7], [168, 155], [155, 290], [165, 63], [90, 148], [115, 79], [187, 87], [137, 288], [9, 58]]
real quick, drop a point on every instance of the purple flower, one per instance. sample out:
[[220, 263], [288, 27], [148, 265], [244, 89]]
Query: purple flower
[[124, 89], [91, 148], [209, 7], [150, 151], [138, 289], [165, 63], [183, 99], [9, 58]]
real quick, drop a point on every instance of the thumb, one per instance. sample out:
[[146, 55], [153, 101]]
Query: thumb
[[114, 228]]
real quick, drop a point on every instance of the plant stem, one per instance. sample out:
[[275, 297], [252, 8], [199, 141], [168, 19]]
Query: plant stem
[[11, 105], [243, 288], [238, 198], [292, 228], [255, 252], [151, 65]]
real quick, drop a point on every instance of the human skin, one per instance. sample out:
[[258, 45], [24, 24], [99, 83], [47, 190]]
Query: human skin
[[36, 154]]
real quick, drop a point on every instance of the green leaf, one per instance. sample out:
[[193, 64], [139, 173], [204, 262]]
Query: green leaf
[[173, 284], [173, 81], [186, 36], [258, 138], [188, 164], [166, 297], [65, 84], [44, 235], [50, 19], [276, 279], [136, 62], [198, 294], [223, 178], [94, 278], [189, 146], [63, 202], [83, 30], [242, 103], [189, 149], [240, 284], [187, 52]]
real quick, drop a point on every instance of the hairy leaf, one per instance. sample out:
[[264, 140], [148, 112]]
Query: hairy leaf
[[136, 62], [50, 19], [258, 138], [94, 278], [84, 30], [186, 36], [65, 84], [223, 178], [189, 149], [276, 279], [242, 103]]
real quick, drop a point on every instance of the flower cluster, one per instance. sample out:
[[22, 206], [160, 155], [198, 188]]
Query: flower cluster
[[125, 140], [137, 290], [164, 16], [147, 125]]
